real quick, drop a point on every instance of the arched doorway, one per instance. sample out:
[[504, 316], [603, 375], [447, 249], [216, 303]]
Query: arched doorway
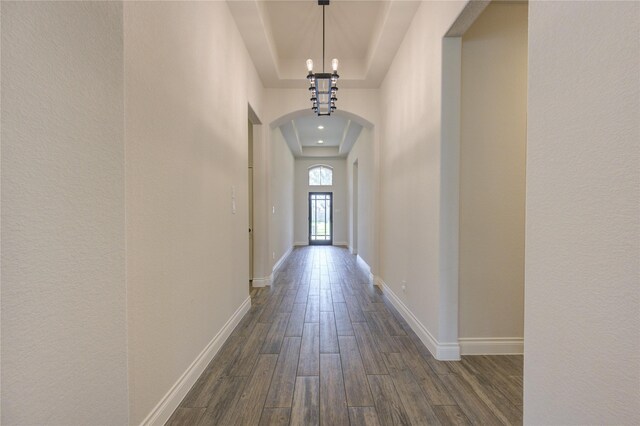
[[285, 210]]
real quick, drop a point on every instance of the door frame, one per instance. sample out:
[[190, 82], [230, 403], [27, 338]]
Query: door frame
[[250, 191], [328, 242], [254, 138], [354, 208]]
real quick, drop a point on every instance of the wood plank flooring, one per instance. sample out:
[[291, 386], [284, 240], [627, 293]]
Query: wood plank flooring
[[323, 346]]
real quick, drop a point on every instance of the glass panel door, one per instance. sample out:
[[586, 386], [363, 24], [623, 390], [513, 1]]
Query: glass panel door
[[320, 218]]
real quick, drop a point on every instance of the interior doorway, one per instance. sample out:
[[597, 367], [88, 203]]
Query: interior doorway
[[354, 211], [484, 177], [250, 181], [256, 201], [320, 218]]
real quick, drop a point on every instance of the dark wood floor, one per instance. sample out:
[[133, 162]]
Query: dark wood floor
[[324, 346]]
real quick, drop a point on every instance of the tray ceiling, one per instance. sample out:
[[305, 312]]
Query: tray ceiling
[[281, 35]]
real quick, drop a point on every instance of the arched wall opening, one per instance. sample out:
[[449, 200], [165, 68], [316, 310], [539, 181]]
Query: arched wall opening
[[306, 112], [285, 208]]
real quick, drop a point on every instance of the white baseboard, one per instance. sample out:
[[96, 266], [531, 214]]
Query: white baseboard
[[168, 404], [491, 345], [352, 250], [281, 261], [266, 281], [372, 278], [306, 243], [261, 282], [341, 244], [360, 260], [442, 351], [279, 264]]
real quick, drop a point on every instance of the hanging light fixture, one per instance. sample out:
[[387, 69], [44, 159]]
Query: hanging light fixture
[[323, 86]]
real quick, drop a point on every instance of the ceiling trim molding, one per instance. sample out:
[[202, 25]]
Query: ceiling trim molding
[[370, 54]]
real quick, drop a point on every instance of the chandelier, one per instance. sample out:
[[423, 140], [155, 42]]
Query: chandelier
[[323, 85]]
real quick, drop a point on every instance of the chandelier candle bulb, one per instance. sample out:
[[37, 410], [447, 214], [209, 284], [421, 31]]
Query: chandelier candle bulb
[[323, 85]]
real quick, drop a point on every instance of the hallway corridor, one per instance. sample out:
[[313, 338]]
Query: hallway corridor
[[324, 346]]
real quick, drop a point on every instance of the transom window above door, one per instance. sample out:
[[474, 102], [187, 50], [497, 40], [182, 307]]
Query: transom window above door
[[320, 176]]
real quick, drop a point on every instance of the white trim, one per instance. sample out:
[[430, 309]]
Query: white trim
[[352, 250], [306, 243], [448, 352], [360, 259], [319, 166], [442, 351], [372, 278], [261, 282], [341, 244], [491, 345], [281, 261], [168, 404]]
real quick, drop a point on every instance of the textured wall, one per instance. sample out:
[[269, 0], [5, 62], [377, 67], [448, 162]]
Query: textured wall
[[64, 358], [492, 173], [188, 79], [582, 287]]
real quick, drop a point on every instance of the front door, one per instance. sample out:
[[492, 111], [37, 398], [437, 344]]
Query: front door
[[320, 218]]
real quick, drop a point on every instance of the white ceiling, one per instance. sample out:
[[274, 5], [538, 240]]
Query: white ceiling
[[331, 133], [338, 134], [282, 35]]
